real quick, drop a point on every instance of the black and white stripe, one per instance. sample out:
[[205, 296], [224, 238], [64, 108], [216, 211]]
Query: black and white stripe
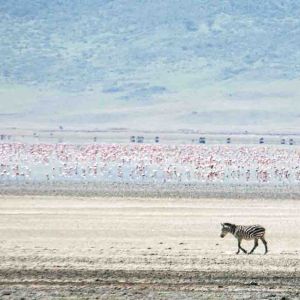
[[252, 232]]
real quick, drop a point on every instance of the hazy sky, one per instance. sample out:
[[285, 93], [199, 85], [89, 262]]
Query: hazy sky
[[229, 65]]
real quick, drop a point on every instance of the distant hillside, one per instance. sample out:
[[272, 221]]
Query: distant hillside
[[148, 63]]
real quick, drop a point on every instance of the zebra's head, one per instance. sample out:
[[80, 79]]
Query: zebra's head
[[226, 228]]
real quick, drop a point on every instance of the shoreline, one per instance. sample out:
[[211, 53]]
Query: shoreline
[[156, 190]]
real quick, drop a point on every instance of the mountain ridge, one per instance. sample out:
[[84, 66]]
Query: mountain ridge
[[102, 56]]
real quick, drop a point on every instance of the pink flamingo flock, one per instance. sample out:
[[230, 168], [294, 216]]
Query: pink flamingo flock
[[149, 163]]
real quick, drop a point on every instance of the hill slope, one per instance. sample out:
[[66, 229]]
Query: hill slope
[[136, 63]]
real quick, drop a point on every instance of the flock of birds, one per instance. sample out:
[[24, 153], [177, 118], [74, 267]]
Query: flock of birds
[[145, 163]]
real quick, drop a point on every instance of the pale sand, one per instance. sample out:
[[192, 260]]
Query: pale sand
[[53, 247]]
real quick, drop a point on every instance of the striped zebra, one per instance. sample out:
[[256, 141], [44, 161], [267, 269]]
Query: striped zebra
[[252, 232]]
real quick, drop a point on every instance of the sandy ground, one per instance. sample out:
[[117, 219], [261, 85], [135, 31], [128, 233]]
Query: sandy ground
[[55, 247]]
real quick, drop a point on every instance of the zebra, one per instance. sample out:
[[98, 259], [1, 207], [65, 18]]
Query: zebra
[[252, 232]]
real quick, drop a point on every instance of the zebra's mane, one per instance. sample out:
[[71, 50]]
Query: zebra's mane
[[232, 227], [229, 225]]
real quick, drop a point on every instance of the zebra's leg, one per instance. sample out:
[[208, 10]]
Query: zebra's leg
[[254, 247], [265, 243], [240, 247]]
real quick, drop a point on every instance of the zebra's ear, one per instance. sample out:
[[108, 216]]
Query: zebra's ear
[[222, 224]]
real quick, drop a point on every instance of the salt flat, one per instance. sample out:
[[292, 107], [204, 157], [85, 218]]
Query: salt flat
[[159, 248]]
